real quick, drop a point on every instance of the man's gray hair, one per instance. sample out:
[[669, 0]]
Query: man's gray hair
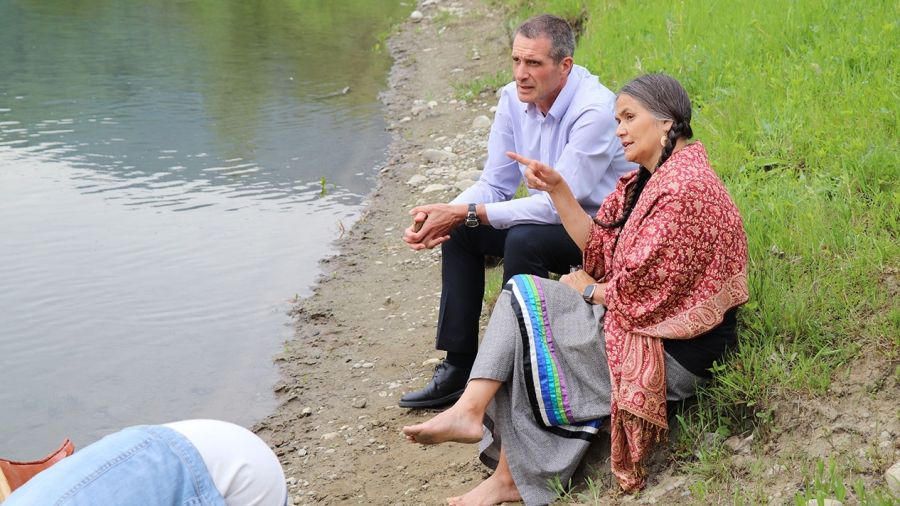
[[562, 38]]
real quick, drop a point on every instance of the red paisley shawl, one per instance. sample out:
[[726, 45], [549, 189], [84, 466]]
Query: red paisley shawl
[[674, 269]]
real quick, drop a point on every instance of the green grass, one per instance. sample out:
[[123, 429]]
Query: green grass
[[797, 104], [444, 18], [380, 44], [831, 481], [468, 90]]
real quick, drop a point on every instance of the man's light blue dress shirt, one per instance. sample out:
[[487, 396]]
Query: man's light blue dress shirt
[[577, 137]]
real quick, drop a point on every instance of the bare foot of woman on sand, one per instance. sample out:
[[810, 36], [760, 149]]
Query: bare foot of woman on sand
[[494, 490], [457, 424]]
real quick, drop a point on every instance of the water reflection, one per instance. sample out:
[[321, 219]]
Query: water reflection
[[161, 170], [174, 88]]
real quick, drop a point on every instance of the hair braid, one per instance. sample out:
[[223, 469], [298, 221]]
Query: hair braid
[[631, 200]]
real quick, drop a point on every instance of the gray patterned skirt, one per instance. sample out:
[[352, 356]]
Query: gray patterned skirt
[[547, 347]]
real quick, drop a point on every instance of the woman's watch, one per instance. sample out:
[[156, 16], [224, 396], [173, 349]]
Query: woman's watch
[[588, 294]]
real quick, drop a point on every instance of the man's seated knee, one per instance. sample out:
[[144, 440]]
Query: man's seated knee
[[537, 249], [522, 239]]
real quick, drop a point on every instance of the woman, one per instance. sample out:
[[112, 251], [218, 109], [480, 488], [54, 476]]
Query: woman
[[664, 267]]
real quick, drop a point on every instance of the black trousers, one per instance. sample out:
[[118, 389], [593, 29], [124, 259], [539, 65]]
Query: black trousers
[[526, 249]]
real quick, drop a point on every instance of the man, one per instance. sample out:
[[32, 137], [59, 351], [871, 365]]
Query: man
[[555, 112]]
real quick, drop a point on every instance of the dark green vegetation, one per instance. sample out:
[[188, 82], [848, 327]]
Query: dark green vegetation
[[797, 104]]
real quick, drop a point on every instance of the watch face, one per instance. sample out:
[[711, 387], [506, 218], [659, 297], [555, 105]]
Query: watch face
[[472, 217]]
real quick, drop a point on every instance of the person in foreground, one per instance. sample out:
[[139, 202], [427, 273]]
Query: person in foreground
[[197, 462], [665, 266], [556, 112]]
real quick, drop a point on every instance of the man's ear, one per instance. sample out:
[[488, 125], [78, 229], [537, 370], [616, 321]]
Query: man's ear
[[567, 63]]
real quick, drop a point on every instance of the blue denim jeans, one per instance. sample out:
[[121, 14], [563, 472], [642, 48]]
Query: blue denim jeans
[[147, 465]]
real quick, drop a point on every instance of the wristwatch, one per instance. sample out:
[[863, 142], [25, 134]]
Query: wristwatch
[[588, 294], [472, 217]]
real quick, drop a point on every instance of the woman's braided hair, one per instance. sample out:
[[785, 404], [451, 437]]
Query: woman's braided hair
[[664, 97]]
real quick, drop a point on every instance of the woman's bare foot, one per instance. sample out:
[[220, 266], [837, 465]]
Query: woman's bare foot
[[494, 490], [457, 424]]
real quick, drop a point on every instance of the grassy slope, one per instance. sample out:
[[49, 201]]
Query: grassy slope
[[797, 103]]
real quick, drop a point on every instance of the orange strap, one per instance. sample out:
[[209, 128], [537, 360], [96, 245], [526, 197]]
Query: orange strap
[[14, 474]]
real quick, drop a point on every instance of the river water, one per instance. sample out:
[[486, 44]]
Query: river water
[[171, 171]]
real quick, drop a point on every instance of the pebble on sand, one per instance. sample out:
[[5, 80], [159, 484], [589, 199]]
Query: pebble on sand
[[481, 122], [892, 476], [826, 502]]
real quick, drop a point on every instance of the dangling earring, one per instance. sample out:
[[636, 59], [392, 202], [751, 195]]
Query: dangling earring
[[663, 139]]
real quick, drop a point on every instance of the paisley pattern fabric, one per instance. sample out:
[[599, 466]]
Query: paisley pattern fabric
[[673, 270]]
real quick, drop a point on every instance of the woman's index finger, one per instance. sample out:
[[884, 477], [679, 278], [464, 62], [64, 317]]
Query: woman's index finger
[[519, 158]]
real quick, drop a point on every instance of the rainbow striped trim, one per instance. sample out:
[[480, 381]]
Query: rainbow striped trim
[[544, 377]]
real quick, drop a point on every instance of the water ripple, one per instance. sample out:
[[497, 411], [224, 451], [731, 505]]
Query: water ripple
[[158, 207]]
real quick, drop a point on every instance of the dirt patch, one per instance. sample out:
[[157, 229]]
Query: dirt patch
[[366, 335]]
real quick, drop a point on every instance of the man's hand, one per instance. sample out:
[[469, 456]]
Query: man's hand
[[437, 221], [538, 175]]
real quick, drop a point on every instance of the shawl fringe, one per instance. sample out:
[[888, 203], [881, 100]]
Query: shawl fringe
[[642, 436]]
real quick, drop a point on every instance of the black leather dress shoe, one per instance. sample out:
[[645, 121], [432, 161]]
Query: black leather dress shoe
[[445, 387]]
